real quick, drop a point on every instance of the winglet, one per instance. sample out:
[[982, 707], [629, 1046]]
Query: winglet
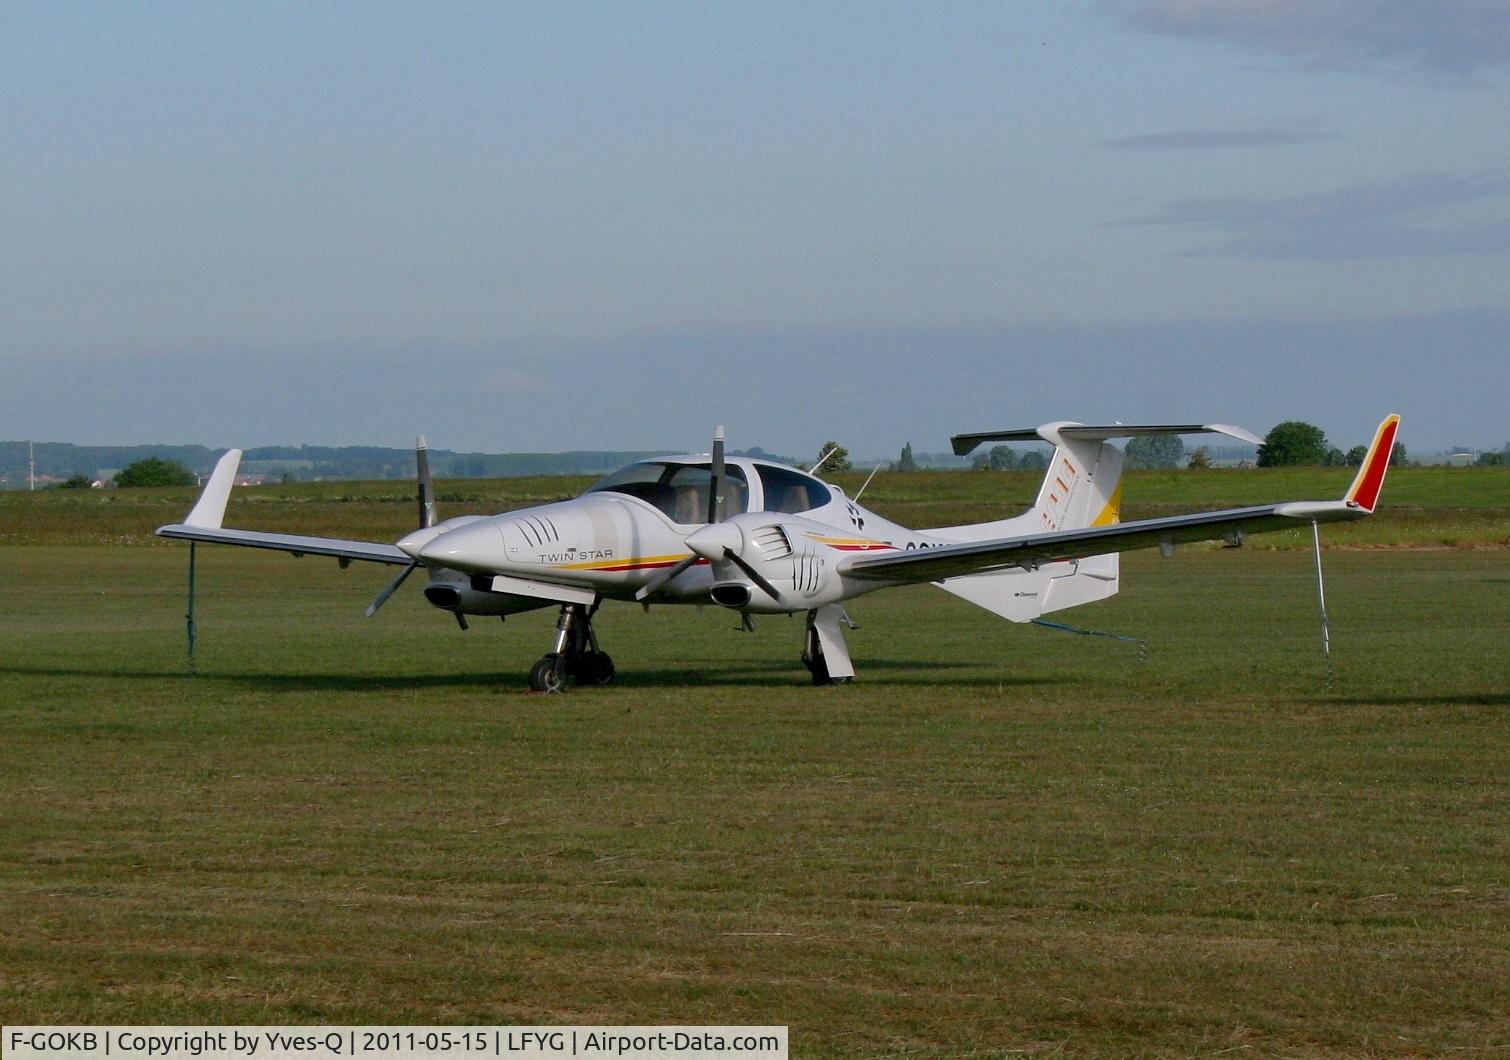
[[210, 511], [1364, 492]]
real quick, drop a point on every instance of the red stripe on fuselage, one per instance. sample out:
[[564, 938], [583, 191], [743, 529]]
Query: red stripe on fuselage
[[643, 566]]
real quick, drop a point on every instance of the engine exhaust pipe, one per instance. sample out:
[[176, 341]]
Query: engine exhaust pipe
[[732, 594], [445, 597]]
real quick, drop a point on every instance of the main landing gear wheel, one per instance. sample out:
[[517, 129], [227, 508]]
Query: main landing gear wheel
[[595, 668], [816, 663], [548, 674], [575, 654], [818, 667]]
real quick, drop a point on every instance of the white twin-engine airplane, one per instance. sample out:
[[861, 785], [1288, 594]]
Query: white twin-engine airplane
[[763, 538]]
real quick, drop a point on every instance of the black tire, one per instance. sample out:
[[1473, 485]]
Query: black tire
[[818, 667], [595, 668], [547, 675]]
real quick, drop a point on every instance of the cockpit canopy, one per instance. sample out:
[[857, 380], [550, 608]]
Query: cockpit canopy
[[679, 489]]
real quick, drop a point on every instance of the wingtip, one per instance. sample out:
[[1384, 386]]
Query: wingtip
[[1232, 431], [209, 511], [1369, 482]]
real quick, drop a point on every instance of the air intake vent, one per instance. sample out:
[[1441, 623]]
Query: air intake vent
[[772, 542], [537, 530]]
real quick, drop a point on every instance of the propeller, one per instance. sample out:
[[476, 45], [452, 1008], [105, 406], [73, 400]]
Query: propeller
[[751, 573], [715, 509], [426, 519], [715, 542], [716, 483], [426, 486], [659, 582], [390, 589]]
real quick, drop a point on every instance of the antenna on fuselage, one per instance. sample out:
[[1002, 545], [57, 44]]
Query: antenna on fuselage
[[867, 482], [830, 451]]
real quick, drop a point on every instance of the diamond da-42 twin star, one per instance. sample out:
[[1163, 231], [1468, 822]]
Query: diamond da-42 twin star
[[759, 537]]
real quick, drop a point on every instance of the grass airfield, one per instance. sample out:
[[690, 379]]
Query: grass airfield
[[1000, 839]]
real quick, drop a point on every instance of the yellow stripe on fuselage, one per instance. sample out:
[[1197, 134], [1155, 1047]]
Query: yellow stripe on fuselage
[[618, 564], [850, 544]]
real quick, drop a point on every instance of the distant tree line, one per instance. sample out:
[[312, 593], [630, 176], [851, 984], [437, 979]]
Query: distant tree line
[[64, 460], [1295, 443], [155, 472], [1291, 443], [1005, 458]]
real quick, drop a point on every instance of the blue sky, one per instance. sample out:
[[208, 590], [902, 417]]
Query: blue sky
[[611, 226]]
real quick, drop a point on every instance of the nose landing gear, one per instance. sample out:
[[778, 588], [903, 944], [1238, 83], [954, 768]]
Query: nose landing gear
[[575, 655]]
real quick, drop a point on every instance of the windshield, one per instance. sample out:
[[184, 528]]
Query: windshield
[[679, 491]]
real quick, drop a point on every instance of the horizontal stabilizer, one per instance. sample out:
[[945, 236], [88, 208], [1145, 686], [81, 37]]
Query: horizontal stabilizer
[[1054, 432]]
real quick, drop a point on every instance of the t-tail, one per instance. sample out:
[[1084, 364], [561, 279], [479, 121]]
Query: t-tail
[[1081, 488]]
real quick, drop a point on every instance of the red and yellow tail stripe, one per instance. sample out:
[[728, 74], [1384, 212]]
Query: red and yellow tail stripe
[[1364, 492]]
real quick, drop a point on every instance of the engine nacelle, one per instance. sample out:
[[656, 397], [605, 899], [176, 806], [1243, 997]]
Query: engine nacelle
[[786, 552], [462, 595]]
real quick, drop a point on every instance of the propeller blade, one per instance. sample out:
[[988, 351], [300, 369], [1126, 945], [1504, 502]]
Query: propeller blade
[[656, 584], [716, 486], [751, 573], [390, 589], [426, 486]]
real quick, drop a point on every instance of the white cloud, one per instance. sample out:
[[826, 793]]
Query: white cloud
[[1412, 217], [1449, 36], [1217, 139]]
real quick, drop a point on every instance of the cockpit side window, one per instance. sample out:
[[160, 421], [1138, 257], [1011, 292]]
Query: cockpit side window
[[678, 491], [791, 491]]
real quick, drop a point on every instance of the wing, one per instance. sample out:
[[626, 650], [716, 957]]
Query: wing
[[1033, 550], [203, 524], [300, 546]]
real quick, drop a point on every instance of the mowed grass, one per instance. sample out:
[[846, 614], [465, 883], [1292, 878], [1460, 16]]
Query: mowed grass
[[1000, 839]]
